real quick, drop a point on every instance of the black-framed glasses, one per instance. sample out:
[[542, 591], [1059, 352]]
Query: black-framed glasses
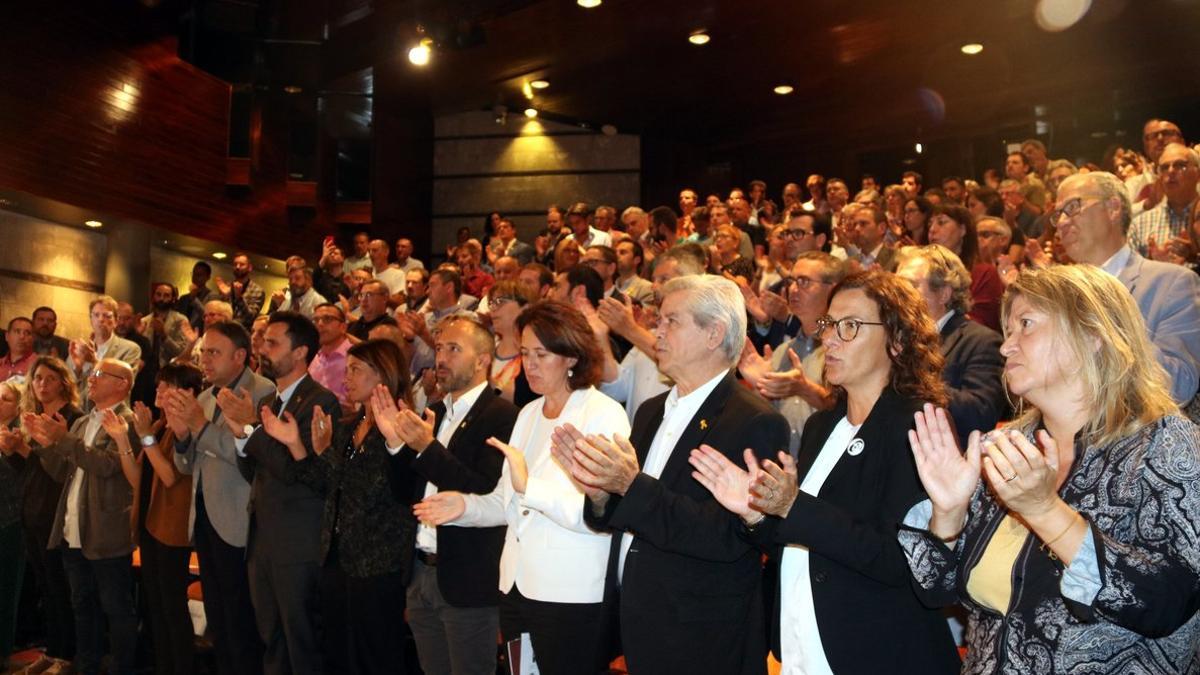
[[847, 329], [795, 233], [806, 282], [97, 374]]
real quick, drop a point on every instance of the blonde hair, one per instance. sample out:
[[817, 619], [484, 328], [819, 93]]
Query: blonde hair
[[1099, 321]]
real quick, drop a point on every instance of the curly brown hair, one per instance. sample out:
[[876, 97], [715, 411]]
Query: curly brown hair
[[563, 330], [914, 347]]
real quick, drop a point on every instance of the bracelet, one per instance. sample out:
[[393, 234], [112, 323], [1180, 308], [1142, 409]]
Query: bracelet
[[1074, 519], [126, 453]]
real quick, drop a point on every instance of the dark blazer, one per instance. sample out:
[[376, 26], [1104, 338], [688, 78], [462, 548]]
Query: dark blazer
[[869, 616], [468, 569], [367, 505], [286, 514], [105, 496], [974, 376], [39, 490], [690, 600]]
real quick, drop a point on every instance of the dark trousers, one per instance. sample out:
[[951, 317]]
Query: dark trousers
[[363, 621], [54, 594], [567, 637], [164, 587], [227, 605], [12, 569], [286, 598], [450, 640], [102, 589]]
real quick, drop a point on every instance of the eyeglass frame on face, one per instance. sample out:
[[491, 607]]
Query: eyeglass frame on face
[[1072, 212], [1179, 165], [826, 322], [366, 294], [95, 375], [795, 233], [805, 283]]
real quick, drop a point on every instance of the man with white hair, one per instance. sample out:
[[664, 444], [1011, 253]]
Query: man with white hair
[[1093, 218], [1178, 173], [689, 597]]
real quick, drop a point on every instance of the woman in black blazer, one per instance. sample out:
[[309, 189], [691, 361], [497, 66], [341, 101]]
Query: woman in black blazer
[[369, 531], [845, 602]]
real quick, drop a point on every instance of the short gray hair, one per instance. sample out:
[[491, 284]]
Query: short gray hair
[[714, 300], [1109, 186], [942, 269]]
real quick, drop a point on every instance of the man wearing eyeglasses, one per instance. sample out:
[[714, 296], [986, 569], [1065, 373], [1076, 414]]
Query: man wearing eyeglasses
[[91, 524], [372, 307], [1178, 172], [1143, 188], [1092, 221], [328, 367], [103, 343]]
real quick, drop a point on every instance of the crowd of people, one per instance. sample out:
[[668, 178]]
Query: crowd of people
[[688, 438]]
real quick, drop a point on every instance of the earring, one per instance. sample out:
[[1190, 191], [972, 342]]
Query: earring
[[570, 372]]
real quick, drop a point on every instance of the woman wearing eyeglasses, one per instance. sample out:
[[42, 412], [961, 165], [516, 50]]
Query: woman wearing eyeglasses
[[845, 602]]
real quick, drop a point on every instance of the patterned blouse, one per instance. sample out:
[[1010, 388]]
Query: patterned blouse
[[1127, 603]]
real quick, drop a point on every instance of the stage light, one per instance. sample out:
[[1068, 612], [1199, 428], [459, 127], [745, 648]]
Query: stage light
[[971, 48], [699, 38], [531, 112], [420, 54], [784, 89]]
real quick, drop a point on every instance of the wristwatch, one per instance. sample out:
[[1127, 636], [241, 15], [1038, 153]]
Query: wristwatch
[[248, 430], [148, 440]]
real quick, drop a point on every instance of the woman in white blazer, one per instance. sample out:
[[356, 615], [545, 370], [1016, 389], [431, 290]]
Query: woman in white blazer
[[553, 566]]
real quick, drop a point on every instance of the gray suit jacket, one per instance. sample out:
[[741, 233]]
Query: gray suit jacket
[[1169, 299], [120, 349], [211, 458], [105, 496]]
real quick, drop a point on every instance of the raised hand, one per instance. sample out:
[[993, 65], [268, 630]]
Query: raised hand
[[617, 315], [517, 469], [949, 476], [114, 425], [237, 408], [774, 488], [282, 428], [82, 351], [774, 385], [728, 482], [1023, 476], [775, 305], [415, 431], [610, 465], [321, 430], [45, 429], [440, 508], [383, 412], [143, 419], [752, 366]]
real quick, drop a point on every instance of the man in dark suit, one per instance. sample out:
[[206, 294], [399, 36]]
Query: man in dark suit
[[452, 598], [974, 369], [283, 550], [689, 583]]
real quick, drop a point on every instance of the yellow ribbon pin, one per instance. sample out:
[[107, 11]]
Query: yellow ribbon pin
[[703, 424]]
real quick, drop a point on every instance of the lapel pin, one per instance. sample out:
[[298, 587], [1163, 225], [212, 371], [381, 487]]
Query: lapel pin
[[856, 447], [703, 424]]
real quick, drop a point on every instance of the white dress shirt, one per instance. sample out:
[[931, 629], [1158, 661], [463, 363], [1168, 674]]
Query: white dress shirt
[[456, 411], [677, 415], [799, 635], [550, 554], [638, 380], [71, 522]]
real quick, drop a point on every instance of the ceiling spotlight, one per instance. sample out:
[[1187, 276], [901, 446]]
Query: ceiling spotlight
[[419, 55], [531, 112], [588, 4], [527, 90], [699, 38], [220, 255], [919, 148], [539, 84], [971, 48], [784, 89], [92, 223]]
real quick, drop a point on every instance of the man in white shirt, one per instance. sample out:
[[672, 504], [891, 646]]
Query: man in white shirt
[[362, 256], [404, 260], [578, 217], [451, 599], [301, 296], [104, 343], [393, 277]]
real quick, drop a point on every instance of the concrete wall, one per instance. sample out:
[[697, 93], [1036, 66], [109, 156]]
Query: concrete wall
[[520, 167], [46, 263], [43, 263]]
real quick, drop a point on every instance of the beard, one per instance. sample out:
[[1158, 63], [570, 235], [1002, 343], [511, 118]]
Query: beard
[[455, 381], [269, 369], [163, 305]]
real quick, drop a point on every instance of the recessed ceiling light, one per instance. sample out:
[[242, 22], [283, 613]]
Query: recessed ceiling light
[[699, 38], [971, 48], [419, 55], [919, 148], [92, 223], [539, 84], [588, 4], [531, 112], [784, 89], [220, 255]]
